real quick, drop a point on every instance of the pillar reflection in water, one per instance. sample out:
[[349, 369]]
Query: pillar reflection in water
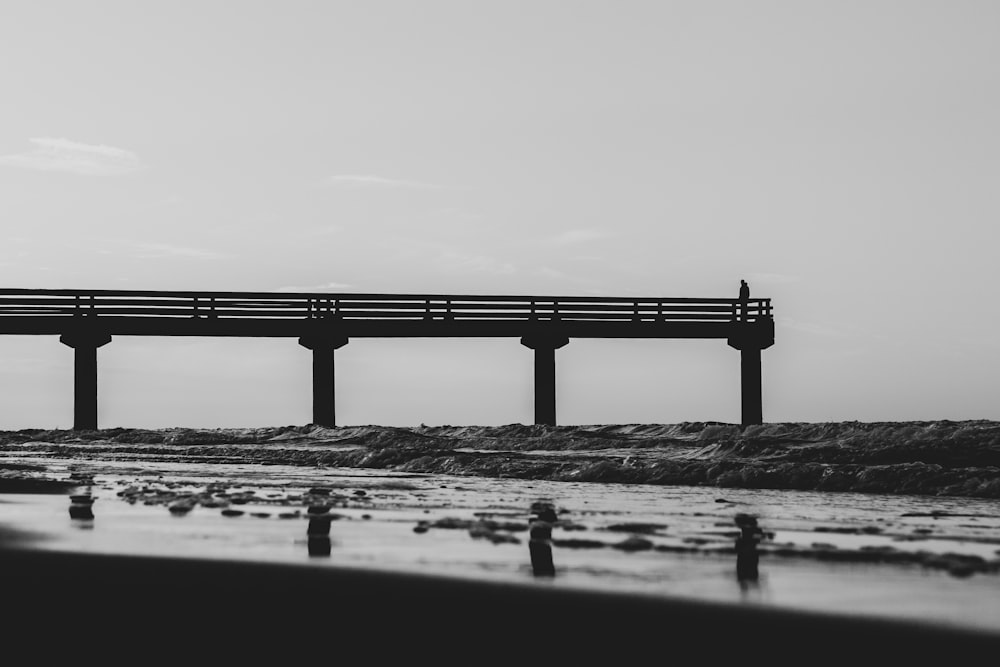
[[746, 550], [543, 516], [319, 535], [81, 506]]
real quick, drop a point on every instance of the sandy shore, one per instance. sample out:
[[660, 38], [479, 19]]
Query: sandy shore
[[159, 606], [440, 568]]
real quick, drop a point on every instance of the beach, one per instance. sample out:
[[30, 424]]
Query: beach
[[228, 532]]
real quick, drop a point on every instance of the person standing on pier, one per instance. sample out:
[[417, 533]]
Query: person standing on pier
[[744, 297]]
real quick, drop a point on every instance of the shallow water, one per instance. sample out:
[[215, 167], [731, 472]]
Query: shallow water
[[843, 553]]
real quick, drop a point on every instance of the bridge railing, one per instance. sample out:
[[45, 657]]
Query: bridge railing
[[294, 305]]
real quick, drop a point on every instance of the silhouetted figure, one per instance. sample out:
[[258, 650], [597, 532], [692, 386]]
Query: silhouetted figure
[[746, 548], [744, 297]]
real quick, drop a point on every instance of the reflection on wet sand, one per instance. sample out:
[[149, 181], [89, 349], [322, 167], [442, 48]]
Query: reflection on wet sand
[[747, 556], [318, 533], [543, 515], [81, 506]]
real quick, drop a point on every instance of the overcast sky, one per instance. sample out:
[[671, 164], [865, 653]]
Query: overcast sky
[[843, 157]]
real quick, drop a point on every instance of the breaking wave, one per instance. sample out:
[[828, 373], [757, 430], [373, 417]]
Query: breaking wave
[[926, 458]]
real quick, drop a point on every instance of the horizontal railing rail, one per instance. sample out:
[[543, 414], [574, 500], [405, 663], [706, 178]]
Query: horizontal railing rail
[[389, 307]]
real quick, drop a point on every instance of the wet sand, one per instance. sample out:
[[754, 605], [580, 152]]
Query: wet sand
[[102, 605]]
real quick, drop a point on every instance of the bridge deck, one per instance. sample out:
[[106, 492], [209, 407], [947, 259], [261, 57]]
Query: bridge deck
[[155, 313], [87, 319]]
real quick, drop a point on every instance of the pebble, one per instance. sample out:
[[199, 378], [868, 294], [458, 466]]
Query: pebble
[[642, 528], [575, 543], [633, 544]]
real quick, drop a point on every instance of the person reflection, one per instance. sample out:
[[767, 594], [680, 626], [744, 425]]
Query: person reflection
[[318, 534], [540, 539], [747, 556]]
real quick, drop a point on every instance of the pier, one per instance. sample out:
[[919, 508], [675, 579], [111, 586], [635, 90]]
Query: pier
[[86, 320]]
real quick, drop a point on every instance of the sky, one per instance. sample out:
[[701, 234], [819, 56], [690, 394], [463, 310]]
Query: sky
[[841, 156]]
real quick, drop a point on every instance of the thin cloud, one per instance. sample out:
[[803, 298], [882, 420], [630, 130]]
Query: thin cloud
[[326, 230], [325, 287], [462, 261], [144, 250], [367, 181], [772, 278], [63, 155], [812, 328], [445, 256], [553, 274], [574, 236], [549, 272]]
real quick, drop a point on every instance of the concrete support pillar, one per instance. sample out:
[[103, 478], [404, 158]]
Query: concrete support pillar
[[751, 401], [85, 344], [545, 375], [750, 338], [324, 412]]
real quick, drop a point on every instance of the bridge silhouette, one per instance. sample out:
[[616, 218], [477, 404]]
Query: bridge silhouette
[[86, 320]]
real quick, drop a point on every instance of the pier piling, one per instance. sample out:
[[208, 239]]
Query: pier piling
[[750, 338], [545, 375], [324, 411], [85, 344]]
